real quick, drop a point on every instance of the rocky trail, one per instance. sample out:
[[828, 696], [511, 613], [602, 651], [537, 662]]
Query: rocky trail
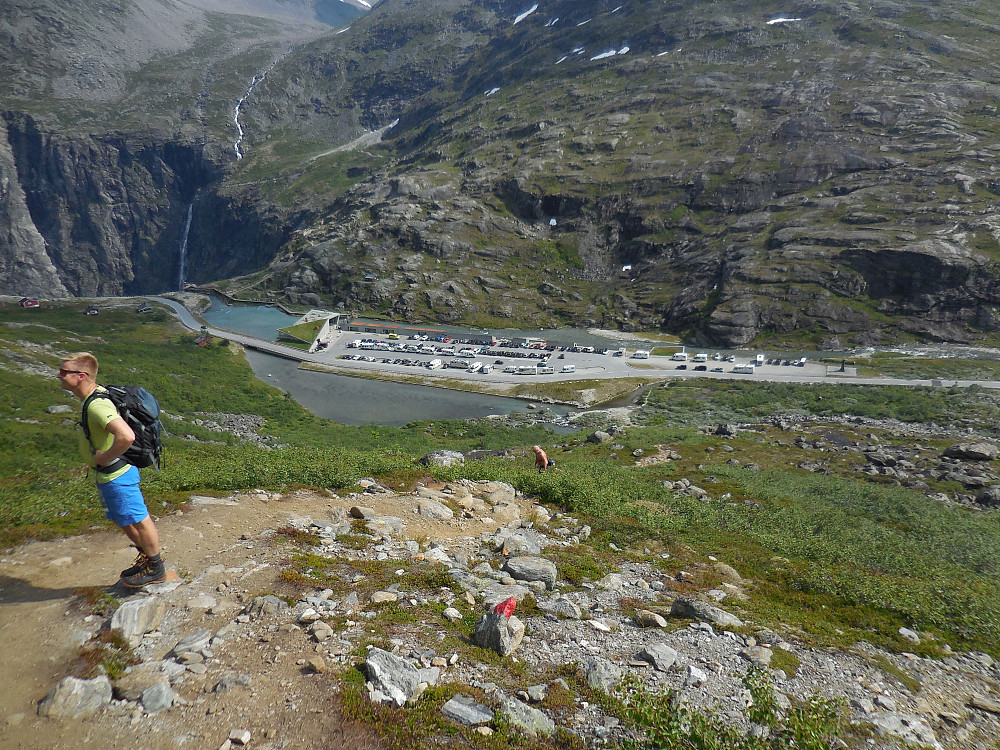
[[236, 651]]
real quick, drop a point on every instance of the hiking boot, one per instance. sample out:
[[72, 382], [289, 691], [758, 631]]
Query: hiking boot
[[140, 563], [152, 572]]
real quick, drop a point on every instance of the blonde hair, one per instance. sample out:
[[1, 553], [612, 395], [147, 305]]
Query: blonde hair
[[85, 361]]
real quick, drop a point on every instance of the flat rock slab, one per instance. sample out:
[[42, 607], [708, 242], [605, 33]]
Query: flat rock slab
[[466, 711], [199, 501]]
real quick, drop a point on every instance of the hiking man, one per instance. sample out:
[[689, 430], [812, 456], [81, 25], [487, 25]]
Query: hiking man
[[117, 480]]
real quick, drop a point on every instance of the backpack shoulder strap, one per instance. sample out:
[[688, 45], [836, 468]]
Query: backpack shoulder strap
[[83, 415]]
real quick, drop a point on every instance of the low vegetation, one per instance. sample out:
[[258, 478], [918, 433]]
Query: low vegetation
[[838, 556]]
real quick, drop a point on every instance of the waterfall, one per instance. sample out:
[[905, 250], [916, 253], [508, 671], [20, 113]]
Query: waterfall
[[239, 103], [184, 248]]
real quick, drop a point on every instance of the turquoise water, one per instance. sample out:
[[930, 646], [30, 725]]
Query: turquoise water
[[252, 320], [345, 399]]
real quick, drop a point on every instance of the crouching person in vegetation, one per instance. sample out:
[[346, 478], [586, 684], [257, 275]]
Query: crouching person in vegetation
[[541, 460], [117, 480]]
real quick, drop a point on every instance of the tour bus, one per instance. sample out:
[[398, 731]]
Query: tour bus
[[676, 357], [644, 354], [701, 357], [747, 369]]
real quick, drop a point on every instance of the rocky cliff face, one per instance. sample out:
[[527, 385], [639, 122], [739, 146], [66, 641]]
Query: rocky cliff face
[[106, 216], [123, 125], [711, 170]]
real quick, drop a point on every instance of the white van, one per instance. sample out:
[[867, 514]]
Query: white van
[[568, 368], [544, 370], [676, 356], [747, 369], [510, 368], [434, 364], [475, 366], [527, 370], [487, 369], [701, 357], [644, 354], [759, 360]]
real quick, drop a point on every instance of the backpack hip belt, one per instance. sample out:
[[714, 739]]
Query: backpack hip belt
[[112, 467]]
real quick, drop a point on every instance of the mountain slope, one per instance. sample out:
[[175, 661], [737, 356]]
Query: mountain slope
[[816, 172], [827, 178]]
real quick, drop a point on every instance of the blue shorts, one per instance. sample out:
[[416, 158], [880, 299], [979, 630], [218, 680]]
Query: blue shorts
[[122, 498]]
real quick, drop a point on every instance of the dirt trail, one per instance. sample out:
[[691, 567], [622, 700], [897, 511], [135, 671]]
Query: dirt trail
[[41, 625]]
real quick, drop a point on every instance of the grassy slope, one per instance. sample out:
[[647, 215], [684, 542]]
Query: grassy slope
[[838, 557]]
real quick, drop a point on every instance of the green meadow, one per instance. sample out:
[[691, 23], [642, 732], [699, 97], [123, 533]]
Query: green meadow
[[839, 556]]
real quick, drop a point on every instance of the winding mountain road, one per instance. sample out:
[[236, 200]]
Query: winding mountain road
[[588, 366]]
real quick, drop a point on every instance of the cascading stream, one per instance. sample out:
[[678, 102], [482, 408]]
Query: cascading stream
[[184, 248], [239, 103]]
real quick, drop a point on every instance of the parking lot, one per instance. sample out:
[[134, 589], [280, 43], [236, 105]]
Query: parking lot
[[506, 361]]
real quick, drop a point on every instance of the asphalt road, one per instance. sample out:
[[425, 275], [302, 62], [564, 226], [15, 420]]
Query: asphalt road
[[587, 366]]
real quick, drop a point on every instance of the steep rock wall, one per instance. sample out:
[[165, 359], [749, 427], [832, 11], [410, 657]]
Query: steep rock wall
[[103, 215]]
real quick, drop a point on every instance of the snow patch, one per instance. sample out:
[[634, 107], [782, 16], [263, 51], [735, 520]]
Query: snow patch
[[525, 14], [610, 53], [492, 91], [782, 19]]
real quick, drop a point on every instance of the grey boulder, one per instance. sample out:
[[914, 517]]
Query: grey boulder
[[532, 569], [704, 612], [393, 680], [133, 619], [73, 698], [499, 633]]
